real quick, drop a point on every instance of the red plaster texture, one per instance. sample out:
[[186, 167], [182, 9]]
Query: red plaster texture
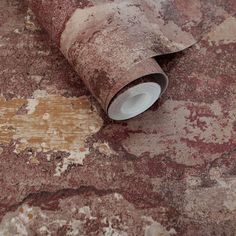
[[172, 170], [109, 40]]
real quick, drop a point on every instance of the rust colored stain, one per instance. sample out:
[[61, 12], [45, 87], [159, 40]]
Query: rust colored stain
[[52, 123]]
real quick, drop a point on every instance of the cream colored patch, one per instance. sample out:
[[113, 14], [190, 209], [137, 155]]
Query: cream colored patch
[[110, 231], [156, 229], [21, 222], [16, 223], [44, 231], [1, 150], [30, 23], [215, 174], [118, 196], [36, 78], [230, 201], [224, 33], [82, 20], [76, 226], [34, 160], [53, 123], [87, 212], [209, 203], [176, 36], [175, 125], [32, 104], [17, 31], [104, 148], [193, 181]]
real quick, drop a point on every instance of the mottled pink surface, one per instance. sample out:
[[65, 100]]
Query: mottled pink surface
[[171, 170]]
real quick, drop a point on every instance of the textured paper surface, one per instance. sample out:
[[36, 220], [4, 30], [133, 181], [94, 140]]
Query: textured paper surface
[[109, 43], [138, 177]]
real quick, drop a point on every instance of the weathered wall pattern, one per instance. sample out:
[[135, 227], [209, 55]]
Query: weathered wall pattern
[[181, 184], [50, 124], [133, 32]]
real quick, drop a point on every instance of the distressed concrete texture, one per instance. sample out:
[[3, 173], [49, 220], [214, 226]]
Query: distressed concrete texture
[[65, 169]]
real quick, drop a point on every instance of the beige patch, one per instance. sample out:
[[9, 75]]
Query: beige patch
[[32, 104], [156, 229], [193, 181], [209, 203], [174, 125], [110, 231], [225, 32], [104, 148], [82, 20], [16, 223], [53, 123], [30, 23], [21, 222], [34, 160], [118, 196], [36, 78], [86, 211]]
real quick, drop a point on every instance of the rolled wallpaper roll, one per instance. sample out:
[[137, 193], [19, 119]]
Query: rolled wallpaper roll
[[111, 43]]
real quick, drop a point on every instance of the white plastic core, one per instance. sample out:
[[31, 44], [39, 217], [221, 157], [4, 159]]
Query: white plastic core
[[134, 101]]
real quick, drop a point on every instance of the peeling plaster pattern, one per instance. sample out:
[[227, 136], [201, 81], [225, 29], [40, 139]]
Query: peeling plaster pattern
[[185, 126], [217, 35], [77, 219], [171, 170], [134, 32], [52, 123]]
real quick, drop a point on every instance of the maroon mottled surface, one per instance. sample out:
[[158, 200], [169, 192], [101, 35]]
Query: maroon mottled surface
[[114, 38], [175, 165]]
